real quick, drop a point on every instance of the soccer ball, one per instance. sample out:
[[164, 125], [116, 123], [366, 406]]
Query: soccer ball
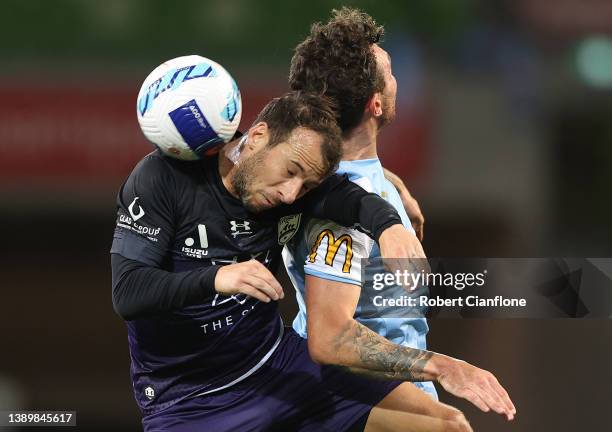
[[188, 107]]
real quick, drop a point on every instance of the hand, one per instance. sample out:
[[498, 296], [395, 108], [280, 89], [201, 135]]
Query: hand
[[251, 278], [413, 210], [401, 250], [397, 242], [476, 385]]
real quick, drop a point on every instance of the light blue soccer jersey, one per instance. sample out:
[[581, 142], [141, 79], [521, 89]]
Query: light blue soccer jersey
[[330, 251]]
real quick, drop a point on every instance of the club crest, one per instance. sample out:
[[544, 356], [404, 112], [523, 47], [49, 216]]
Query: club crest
[[287, 227]]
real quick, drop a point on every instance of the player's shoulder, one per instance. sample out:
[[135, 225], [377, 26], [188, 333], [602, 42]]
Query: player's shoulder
[[315, 224], [365, 182], [334, 251], [154, 164], [365, 173], [157, 166], [318, 230], [157, 162]]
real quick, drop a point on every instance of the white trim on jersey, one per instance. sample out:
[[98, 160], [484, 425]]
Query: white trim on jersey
[[254, 368]]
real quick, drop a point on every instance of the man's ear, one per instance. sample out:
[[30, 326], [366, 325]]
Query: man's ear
[[258, 136], [375, 105]]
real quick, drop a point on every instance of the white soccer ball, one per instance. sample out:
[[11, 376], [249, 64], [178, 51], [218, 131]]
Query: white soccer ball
[[188, 106]]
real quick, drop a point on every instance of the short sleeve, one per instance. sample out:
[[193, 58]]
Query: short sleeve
[[335, 252], [145, 212]]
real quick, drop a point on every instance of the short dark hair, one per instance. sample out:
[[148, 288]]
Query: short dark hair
[[308, 110], [337, 60]]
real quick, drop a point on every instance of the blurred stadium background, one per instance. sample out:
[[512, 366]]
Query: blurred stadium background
[[503, 134]]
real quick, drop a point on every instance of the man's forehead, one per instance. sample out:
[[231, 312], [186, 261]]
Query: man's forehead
[[305, 151]]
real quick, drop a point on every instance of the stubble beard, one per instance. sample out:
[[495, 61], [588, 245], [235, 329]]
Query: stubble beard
[[243, 179]]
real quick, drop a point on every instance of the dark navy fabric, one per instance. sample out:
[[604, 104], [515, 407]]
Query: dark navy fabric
[[290, 393], [177, 216]]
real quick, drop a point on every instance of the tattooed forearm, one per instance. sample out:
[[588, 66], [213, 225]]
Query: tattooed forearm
[[375, 374], [378, 357]]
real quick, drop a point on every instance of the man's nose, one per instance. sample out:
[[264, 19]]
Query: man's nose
[[289, 190]]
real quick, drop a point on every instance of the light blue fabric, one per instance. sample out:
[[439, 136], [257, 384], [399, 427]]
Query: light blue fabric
[[402, 330]]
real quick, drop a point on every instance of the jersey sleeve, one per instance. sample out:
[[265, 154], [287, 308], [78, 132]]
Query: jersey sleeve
[[145, 216], [335, 252], [346, 203]]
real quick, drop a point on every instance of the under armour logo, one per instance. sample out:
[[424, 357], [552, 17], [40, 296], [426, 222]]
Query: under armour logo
[[240, 228], [136, 216], [245, 226]]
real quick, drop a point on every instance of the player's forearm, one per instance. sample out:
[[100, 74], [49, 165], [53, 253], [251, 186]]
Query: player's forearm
[[346, 203], [395, 180], [366, 352], [380, 375], [140, 291], [362, 352]]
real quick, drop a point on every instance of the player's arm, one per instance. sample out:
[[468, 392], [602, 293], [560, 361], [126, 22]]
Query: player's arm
[[413, 210], [324, 337], [143, 236], [336, 338], [346, 203], [141, 290]]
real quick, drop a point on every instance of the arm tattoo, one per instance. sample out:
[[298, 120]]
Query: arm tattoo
[[380, 358]]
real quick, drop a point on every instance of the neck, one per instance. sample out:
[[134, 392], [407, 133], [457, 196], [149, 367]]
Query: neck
[[361, 141]]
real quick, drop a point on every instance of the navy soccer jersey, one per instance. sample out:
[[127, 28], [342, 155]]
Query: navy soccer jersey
[[178, 216]]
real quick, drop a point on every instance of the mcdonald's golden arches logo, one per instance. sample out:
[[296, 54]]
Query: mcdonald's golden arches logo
[[333, 245]]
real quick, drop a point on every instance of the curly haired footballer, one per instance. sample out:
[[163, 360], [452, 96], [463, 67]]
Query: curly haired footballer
[[322, 64]]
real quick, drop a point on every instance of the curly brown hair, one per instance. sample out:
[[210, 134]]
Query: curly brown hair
[[337, 60]]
